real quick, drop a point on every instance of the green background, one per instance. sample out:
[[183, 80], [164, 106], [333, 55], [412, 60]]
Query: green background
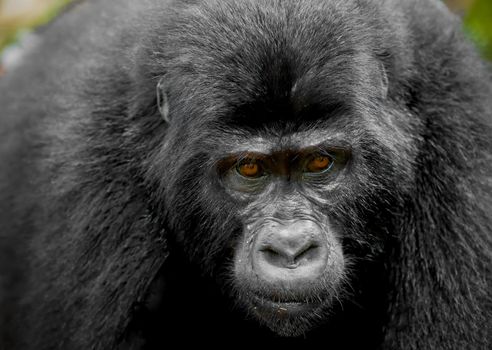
[[478, 23]]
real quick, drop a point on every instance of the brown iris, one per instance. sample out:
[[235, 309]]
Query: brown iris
[[249, 168], [319, 163]]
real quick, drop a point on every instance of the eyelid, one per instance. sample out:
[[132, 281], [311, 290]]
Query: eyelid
[[324, 153]]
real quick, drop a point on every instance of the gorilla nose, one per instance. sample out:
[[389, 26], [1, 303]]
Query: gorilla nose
[[290, 253]]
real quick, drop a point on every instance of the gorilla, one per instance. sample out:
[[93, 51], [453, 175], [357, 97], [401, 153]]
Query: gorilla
[[254, 172]]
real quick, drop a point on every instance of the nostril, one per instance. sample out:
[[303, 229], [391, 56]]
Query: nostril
[[308, 253], [270, 252], [273, 257]]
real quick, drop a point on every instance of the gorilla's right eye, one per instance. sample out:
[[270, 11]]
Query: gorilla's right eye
[[319, 164], [249, 168]]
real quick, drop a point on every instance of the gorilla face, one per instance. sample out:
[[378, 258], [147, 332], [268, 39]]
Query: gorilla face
[[283, 217], [289, 263]]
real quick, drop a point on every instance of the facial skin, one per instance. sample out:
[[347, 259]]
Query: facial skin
[[289, 264]]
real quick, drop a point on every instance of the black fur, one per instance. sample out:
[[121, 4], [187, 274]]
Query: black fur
[[112, 235]]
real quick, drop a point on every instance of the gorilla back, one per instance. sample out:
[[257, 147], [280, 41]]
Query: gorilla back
[[247, 170]]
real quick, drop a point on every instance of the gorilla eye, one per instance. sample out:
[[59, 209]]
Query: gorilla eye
[[319, 164], [249, 168]]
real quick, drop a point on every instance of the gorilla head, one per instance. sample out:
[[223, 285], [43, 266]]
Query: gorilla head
[[283, 154]]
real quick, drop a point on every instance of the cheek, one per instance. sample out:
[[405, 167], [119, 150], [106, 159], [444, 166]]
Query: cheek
[[337, 262], [243, 263]]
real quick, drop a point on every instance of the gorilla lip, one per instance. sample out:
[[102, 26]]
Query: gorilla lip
[[263, 304]]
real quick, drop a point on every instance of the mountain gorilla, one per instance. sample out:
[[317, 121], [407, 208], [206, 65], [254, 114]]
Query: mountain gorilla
[[225, 171]]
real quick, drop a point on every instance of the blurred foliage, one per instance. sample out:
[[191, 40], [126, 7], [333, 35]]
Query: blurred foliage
[[17, 16], [478, 22], [477, 18]]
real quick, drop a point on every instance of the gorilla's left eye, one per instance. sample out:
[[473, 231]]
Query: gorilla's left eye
[[319, 163]]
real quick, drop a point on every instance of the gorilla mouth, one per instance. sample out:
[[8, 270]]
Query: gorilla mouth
[[290, 317], [280, 308]]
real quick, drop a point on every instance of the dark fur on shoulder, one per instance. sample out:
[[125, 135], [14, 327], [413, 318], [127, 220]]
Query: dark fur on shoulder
[[95, 187]]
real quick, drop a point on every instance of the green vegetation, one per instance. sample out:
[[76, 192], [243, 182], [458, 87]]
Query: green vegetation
[[11, 27], [478, 22]]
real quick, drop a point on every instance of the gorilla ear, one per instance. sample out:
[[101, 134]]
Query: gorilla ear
[[384, 81], [162, 100]]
